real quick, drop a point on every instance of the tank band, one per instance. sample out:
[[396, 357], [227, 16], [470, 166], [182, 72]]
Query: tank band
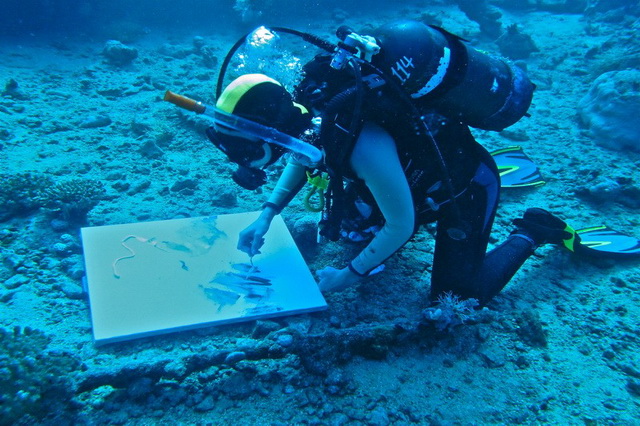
[[438, 77]]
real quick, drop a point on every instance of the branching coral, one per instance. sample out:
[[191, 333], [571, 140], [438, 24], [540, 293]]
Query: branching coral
[[450, 311], [19, 193], [35, 381], [73, 199]]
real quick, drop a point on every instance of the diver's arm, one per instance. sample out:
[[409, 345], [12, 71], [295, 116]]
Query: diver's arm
[[289, 184], [375, 160]]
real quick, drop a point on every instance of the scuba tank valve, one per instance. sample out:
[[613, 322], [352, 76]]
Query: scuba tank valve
[[353, 44]]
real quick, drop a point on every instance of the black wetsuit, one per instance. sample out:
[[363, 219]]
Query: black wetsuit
[[461, 266]]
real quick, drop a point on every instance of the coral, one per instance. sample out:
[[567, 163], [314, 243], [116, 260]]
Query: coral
[[610, 110], [450, 311], [515, 44], [19, 193], [209, 57], [35, 381], [531, 330], [73, 199], [11, 90], [119, 54]]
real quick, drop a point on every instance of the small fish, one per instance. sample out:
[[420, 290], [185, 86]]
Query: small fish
[[184, 265]]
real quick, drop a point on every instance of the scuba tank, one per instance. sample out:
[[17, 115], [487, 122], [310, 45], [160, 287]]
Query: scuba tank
[[441, 71]]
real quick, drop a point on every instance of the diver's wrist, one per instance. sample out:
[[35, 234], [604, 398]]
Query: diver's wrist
[[273, 206], [355, 272], [269, 211]]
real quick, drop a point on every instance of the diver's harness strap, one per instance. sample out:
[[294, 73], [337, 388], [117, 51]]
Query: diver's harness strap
[[343, 147], [342, 142]]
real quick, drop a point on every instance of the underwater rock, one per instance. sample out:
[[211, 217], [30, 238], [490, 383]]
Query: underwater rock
[[209, 57], [493, 357], [611, 108], [95, 121], [235, 357], [176, 52], [151, 150], [228, 198], [633, 386], [485, 14], [519, 135], [206, 404], [16, 281], [611, 10], [11, 90], [379, 417], [185, 186], [236, 386], [5, 135], [73, 265], [140, 388], [531, 330], [605, 190], [263, 328], [72, 290], [139, 187], [198, 43], [335, 382], [119, 54], [97, 397], [285, 340], [12, 260], [516, 45]]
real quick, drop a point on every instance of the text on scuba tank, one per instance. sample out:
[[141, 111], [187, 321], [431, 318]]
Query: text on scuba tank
[[400, 69]]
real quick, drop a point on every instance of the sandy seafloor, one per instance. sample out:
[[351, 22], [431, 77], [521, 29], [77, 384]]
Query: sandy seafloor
[[560, 345]]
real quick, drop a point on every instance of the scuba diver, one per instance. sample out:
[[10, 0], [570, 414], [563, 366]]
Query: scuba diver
[[390, 113]]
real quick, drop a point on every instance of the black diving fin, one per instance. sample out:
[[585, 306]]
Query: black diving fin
[[604, 241], [516, 168]]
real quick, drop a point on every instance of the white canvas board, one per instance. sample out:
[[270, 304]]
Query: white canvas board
[[158, 277]]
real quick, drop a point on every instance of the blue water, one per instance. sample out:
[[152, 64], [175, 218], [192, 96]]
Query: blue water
[[85, 140]]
